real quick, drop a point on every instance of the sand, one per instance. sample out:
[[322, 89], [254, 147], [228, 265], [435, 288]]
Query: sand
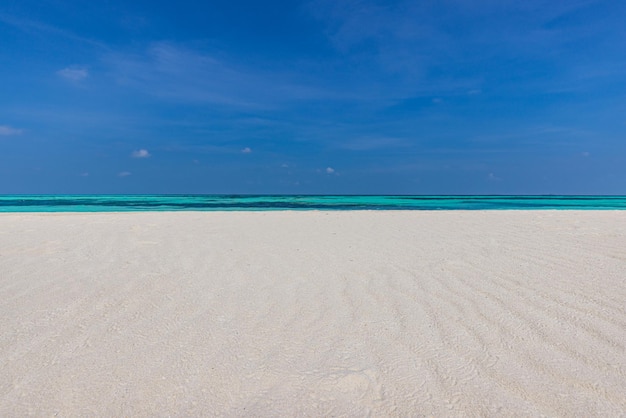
[[499, 313]]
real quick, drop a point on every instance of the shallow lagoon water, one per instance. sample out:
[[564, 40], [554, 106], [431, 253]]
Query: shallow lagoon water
[[129, 203]]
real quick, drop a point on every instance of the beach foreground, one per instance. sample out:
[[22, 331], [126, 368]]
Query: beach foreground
[[313, 313]]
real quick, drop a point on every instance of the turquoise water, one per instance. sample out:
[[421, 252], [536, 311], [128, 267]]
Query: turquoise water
[[129, 203]]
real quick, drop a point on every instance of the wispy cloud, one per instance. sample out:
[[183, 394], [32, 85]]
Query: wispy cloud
[[182, 73], [73, 73], [141, 153], [330, 170], [6, 130], [34, 26], [417, 47], [124, 174], [351, 23], [397, 41], [246, 150]]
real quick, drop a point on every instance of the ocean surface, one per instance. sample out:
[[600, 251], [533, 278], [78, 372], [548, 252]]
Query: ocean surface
[[130, 203]]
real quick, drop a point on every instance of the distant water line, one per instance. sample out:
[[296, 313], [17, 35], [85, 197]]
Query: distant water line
[[155, 203]]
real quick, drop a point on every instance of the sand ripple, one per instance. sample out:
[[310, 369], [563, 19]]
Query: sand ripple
[[313, 314]]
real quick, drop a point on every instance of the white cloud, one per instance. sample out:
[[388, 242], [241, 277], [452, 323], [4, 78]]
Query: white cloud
[[246, 150], [585, 154], [85, 174], [124, 174], [73, 73], [6, 130], [141, 153], [330, 170]]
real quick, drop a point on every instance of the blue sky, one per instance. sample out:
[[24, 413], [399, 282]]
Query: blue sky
[[319, 96]]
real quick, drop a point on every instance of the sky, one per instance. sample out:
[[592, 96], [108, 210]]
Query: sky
[[313, 97]]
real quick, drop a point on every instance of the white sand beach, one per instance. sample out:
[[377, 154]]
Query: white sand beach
[[488, 313]]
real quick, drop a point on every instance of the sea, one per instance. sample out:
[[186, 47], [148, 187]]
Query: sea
[[156, 203]]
